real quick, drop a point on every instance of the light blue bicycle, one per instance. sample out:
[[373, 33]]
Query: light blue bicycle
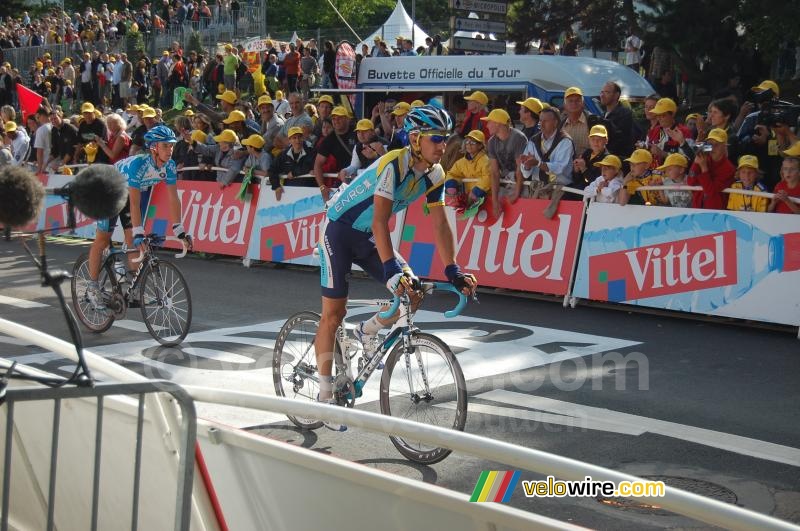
[[421, 380]]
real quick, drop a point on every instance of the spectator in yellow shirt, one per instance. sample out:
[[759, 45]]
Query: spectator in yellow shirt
[[641, 174], [747, 178], [469, 180]]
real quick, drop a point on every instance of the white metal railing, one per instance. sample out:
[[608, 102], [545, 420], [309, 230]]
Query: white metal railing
[[703, 509]]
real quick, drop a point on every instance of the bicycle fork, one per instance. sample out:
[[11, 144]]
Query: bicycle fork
[[408, 350]]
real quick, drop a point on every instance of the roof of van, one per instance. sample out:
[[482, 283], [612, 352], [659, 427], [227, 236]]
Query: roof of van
[[499, 72]]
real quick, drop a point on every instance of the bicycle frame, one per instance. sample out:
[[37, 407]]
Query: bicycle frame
[[402, 328], [146, 256]]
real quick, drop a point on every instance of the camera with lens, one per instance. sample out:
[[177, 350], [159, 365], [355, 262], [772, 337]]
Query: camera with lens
[[703, 147], [759, 97], [779, 113]]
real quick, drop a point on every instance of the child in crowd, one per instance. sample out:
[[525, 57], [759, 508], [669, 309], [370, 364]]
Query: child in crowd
[[747, 175], [692, 123], [296, 161], [196, 84], [258, 160], [224, 155], [605, 189], [584, 168], [470, 172], [69, 96], [642, 174], [674, 169], [790, 183]]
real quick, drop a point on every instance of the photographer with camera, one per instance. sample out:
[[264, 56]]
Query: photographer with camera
[[771, 131], [759, 98], [712, 170]]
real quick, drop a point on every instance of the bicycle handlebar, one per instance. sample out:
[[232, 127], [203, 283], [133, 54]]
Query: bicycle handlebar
[[429, 287], [158, 239]]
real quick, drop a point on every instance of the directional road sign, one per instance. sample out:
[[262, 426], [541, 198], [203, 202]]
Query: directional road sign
[[475, 24], [481, 6], [479, 45]]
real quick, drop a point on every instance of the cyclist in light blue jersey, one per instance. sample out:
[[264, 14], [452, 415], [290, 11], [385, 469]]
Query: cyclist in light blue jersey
[[358, 231], [143, 172]]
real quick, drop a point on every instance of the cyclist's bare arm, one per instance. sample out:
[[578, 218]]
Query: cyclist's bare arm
[[174, 203], [380, 227], [444, 235], [135, 197]]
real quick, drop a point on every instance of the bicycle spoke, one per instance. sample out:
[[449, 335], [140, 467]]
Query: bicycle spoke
[[421, 385]]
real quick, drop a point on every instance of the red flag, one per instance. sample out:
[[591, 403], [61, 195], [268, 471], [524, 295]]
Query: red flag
[[29, 101]]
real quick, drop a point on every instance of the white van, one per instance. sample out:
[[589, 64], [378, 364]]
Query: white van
[[504, 78]]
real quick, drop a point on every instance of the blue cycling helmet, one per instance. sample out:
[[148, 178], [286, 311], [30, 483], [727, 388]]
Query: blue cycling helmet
[[160, 133], [428, 118]]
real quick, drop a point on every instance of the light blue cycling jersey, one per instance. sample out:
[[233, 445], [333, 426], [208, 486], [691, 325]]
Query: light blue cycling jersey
[[391, 177], [142, 173]]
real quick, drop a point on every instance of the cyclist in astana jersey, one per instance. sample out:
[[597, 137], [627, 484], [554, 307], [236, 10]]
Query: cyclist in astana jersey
[[143, 172], [358, 232]]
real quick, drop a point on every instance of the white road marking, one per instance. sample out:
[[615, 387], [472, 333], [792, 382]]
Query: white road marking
[[21, 303], [237, 371], [569, 414], [135, 326]]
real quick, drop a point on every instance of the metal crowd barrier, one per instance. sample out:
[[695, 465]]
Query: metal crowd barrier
[[188, 436], [709, 511]]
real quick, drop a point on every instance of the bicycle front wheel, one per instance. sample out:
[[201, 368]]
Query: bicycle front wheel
[[294, 363], [424, 384], [166, 303], [95, 320]]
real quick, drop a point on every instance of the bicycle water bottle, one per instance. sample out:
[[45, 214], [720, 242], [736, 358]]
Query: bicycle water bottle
[[121, 271], [709, 260]]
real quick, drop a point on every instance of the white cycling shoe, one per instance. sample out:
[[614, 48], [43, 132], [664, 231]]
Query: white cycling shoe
[[331, 425]]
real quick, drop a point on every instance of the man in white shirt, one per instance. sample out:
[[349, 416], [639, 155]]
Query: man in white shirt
[[42, 141], [549, 154], [633, 45], [116, 79]]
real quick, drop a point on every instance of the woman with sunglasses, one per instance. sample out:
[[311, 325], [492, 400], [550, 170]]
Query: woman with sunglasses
[[358, 232]]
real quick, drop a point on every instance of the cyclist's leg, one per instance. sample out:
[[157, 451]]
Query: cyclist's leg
[[333, 312], [371, 263], [102, 240], [335, 259]]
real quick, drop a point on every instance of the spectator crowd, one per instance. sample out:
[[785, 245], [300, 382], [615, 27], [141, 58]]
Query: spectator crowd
[[242, 120]]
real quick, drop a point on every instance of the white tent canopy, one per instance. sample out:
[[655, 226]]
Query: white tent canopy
[[398, 24]]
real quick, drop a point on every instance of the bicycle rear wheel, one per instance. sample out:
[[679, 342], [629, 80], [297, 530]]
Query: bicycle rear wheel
[[95, 320], [294, 363], [437, 395], [165, 302]]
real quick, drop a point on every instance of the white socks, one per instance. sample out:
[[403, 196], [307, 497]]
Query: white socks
[[325, 388], [371, 326]]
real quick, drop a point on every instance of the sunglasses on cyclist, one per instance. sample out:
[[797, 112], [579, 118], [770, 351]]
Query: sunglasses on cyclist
[[436, 139]]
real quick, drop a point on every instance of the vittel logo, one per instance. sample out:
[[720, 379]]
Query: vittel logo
[[208, 218], [535, 252], [668, 268]]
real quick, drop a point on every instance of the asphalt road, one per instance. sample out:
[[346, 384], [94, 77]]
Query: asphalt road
[[710, 407]]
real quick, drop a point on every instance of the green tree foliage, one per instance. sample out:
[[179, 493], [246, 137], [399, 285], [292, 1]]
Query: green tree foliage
[[195, 43], [363, 15], [13, 8], [710, 39], [313, 14]]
